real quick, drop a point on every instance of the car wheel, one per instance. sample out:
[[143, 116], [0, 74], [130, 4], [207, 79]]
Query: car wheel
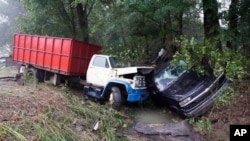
[[115, 98]]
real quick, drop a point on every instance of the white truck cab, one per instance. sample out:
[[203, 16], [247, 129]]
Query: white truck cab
[[100, 70], [109, 78]]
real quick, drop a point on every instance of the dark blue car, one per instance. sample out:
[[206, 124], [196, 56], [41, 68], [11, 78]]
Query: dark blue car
[[185, 91]]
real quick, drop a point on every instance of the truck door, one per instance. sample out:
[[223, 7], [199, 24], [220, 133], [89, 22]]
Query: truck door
[[99, 71]]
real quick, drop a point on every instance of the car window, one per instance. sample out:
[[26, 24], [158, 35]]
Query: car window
[[101, 62], [168, 74], [173, 72]]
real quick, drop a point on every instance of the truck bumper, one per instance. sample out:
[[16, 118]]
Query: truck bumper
[[137, 95]]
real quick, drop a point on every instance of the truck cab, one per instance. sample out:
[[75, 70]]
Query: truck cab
[[110, 79], [100, 70]]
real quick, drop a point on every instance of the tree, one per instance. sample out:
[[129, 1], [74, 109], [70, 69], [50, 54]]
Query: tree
[[233, 16], [211, 21], [244, 26], [136, 30], [142, 26], [63, 18]]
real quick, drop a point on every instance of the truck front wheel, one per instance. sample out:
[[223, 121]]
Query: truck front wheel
[[115, 98]]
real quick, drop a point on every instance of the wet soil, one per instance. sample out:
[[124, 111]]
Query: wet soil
[[236, 112], [18, 102], [152, 123]]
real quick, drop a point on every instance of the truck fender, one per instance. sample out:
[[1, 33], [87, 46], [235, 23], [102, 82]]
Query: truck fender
[[132, 95], [119, 83]]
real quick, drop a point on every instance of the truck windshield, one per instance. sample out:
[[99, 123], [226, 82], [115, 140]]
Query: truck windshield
[[116, 63]]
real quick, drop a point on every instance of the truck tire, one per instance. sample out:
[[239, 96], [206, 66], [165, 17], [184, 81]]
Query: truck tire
[[40, 75], [115, 98], [36, 75], [31, 75]]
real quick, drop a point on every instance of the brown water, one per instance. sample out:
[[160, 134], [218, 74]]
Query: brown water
[[154, 115]]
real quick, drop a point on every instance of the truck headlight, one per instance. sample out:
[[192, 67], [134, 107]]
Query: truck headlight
[[184, 102], [139, 81]]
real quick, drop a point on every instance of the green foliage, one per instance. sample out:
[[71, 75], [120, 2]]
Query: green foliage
[[224, 99], [224, 60], [60, 18], [15, 135], [3, 134], [42, 18], [135, 29], [134, 54], [203, 124], [109, 119]]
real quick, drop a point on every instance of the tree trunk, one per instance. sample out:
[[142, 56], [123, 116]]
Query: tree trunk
[[169, 37], [233, 22], [83, 21], [180, 23], [244, 24], [211, 28], [211, 21], [67, 17]]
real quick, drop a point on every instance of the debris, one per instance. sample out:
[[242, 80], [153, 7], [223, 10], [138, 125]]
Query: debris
[[96, 125]]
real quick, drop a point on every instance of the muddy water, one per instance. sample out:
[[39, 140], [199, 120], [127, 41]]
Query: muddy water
[[153, 124], [155, 116]]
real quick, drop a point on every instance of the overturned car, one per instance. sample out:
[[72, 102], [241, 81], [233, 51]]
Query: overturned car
[[185, 92]]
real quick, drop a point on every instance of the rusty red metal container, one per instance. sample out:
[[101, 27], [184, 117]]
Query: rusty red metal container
[[59, 55]]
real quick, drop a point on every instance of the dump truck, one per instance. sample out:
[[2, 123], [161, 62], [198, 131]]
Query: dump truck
[[103, 77]]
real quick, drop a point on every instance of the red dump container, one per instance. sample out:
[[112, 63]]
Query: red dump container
[[59, 55]]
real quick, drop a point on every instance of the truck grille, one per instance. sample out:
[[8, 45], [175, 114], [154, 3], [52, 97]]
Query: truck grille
[[140, 81]]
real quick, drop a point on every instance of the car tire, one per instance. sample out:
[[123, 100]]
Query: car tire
[[115, 98]]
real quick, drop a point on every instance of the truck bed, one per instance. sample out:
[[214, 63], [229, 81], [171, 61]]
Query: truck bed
[[59, 55]]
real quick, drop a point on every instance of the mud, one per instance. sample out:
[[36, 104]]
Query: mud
[[153, 124]]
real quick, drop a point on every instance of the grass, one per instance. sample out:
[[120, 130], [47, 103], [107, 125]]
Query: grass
[[6, 71], [110, 120], [45, 113]]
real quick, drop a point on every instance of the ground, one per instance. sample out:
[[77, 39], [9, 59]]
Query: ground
[[22, 104], [237, 111]]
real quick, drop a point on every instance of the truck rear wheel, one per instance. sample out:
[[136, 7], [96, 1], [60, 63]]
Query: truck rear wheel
[[115, 98], [31, 75]]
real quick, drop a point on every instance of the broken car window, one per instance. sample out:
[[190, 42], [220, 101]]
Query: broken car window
[[169, 74]]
